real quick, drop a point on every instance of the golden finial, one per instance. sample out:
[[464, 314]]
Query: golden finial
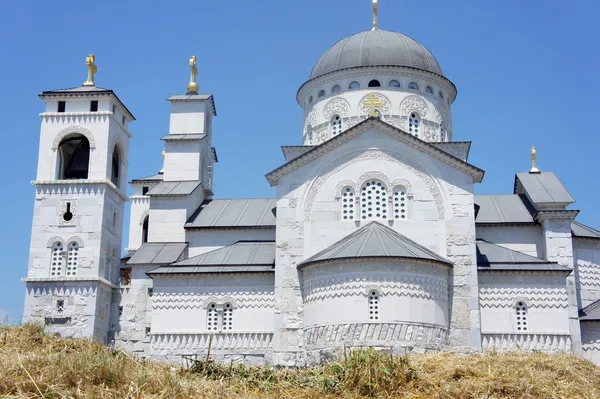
[[375, 16], [372, 103], [534, 168], [163, 157], [192, 87], [92, 69]]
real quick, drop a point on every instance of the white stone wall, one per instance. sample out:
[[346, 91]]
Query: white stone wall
[[140, 209], [590, 338], [587, 263], [168, 216], [398, 103], [526, 239], [179, 316], [547, 317], [441, 218], [202, 241]]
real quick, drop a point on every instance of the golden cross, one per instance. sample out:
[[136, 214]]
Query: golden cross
[[192, 87], [534, 168], [92, 69], [372, 102], [375, 16]]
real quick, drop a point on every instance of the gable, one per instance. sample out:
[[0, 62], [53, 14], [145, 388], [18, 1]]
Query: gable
[[395, 133]]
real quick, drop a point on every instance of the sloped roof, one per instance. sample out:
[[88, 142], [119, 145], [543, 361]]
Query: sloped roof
[[195, 97], [508, 208], [496, 258], [543, 188], [184, 136], [168, 188], [581, 230], [158, 253], [234, 213], [459, 149], [294, 151], [354, 131], [154, 178], [375, 240], [591, 312], [243, 256]]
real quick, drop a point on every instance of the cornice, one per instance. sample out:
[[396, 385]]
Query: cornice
[[382, 259], [349, 134], [554, 215], [110, 114], [81, 182]]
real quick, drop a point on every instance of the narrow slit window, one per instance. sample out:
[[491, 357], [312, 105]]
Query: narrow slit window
[[62, 106], [227, 317], [348, 203], [72, 258]]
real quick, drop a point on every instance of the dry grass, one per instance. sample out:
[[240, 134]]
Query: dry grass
[[36, 365]]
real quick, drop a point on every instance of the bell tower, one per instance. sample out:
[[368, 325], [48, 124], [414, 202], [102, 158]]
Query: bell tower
[[80, 185]]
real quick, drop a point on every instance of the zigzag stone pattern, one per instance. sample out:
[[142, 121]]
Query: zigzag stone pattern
[[589, 274], [549, 343], [501, 297], [590, 339], [191, 300], [376, 334]]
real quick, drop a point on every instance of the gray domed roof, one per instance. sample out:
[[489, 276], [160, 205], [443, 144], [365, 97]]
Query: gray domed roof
[[376, 48]]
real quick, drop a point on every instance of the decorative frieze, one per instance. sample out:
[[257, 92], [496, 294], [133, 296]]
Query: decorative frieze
[[549, 343], [543, 297], [198, 343]]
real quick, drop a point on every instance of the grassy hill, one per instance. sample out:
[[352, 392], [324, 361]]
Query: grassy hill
[[35, 365]]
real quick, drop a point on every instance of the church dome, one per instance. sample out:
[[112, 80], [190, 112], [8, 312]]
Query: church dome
[[376, 48]]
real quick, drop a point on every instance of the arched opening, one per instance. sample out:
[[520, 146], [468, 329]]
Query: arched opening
[[354, 85], [394, 83], [116, 162], [413, 86], [321, 93], [74, 158], [429, 90], [336, 89], [336, 125], [374, 83], [145, 230]]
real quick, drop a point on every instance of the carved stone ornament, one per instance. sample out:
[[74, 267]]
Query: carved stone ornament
[[336, 106], [311, 119], [431, 134], [372, 155], [437, 117], [413, 103], [70, 130], [383, 107], [396, 122]]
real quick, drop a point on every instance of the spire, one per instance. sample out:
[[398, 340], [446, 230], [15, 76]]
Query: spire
[[534, 168], [192, 87], [90, 61], [375, 16]]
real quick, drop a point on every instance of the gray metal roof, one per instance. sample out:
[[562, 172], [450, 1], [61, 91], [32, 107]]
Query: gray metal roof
[[496, 258], [157, 253], [187, 136], [195, 97], [543, 188], [235, 213], [294, 151], [242, 253], [376, 48], [506, 208], [154, 178], [581, 230], [167, 188], [458, 149], [375, 240], [591, 312]]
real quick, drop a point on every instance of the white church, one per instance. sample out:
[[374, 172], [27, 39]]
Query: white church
[[375, 237]]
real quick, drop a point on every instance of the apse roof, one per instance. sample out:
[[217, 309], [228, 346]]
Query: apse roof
[[543, 187], [375, 240], [497, 258], [157, 253], [234, 213]]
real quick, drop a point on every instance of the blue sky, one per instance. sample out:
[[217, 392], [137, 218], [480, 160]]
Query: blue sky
[[526, 73]]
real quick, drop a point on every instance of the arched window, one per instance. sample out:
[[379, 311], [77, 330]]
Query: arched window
[[116, 162], [441, 95], [309, 134], [57, 259], [374, 83], [413, 86], [429, 90], [74, 157], [354, 85], [394, 83], [227, 317], [521, 314], [400, 203], [336, 125], [348, 203], [145, 229], [414, 124], [321, 93], [72, 258], [442, 132], [212, 317], [373, 305], [373, 200], [336, 89]]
